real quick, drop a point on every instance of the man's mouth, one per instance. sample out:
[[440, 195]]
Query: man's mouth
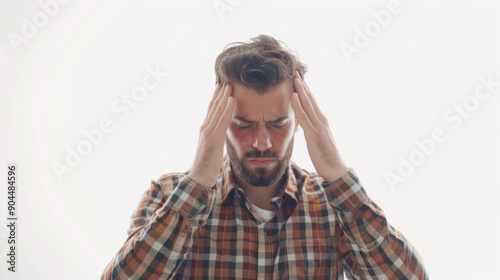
[[261, 162]]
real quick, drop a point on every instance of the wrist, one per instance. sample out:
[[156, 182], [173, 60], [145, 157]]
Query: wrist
[[335, 173], [202, 180]]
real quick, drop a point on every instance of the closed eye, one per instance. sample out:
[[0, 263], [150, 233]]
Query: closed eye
[[243, 126], [280, 125]]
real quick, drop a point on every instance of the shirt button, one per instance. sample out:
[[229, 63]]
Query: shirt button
[[266, 232]]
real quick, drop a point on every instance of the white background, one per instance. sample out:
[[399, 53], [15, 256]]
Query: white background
[[64, 78]]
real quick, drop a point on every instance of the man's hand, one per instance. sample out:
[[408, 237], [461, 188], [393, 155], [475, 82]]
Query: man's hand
[[320, 144], [210, 151]]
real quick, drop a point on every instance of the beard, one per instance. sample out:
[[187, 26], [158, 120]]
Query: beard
[[259, 176]]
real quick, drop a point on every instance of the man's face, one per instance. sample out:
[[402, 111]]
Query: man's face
[[260, 136]]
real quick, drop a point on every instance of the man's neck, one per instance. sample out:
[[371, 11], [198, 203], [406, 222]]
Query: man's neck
[[260, 196]]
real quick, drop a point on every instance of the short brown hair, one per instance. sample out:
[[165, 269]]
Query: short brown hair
[[261, 64]]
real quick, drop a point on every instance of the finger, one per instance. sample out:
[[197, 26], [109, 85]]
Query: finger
[[215, 104], [300, 113], [214, 97], [226, 117], [219, 108], [305, 102], [312, 99]]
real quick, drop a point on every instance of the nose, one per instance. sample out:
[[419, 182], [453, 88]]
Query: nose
[[262, 140]]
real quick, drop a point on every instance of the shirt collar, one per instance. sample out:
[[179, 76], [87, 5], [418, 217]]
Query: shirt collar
[[226, 184]]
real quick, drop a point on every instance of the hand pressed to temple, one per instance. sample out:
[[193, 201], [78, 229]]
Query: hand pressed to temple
[[320, 144]]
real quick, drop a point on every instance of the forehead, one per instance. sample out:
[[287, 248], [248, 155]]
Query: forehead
[[275, 103]]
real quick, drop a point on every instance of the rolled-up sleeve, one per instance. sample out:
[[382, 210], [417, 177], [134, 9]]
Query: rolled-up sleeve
[[163, 229], [370, 247]]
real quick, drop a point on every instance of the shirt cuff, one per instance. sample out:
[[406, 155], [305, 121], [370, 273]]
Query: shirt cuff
[[191, 200], [346, 193]]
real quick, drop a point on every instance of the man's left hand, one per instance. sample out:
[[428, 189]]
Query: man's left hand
[[320, 144]]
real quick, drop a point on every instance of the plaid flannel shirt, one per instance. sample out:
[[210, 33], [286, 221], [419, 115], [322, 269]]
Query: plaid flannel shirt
[[182, 230]]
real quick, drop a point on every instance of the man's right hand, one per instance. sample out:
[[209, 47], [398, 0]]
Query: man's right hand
[[210, 151]]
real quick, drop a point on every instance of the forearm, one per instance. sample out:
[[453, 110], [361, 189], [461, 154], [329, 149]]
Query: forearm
[[157, 249], [371, 248], [139, 250]]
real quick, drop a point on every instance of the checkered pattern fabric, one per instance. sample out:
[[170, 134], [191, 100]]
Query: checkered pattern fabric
[[181, 230]]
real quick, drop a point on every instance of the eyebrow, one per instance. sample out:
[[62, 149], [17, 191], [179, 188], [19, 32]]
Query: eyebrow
[[243, 119]]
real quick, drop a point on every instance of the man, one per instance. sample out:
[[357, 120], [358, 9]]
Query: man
[[258, 215]]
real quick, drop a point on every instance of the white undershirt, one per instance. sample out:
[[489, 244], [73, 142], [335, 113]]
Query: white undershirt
[[267, 215]]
